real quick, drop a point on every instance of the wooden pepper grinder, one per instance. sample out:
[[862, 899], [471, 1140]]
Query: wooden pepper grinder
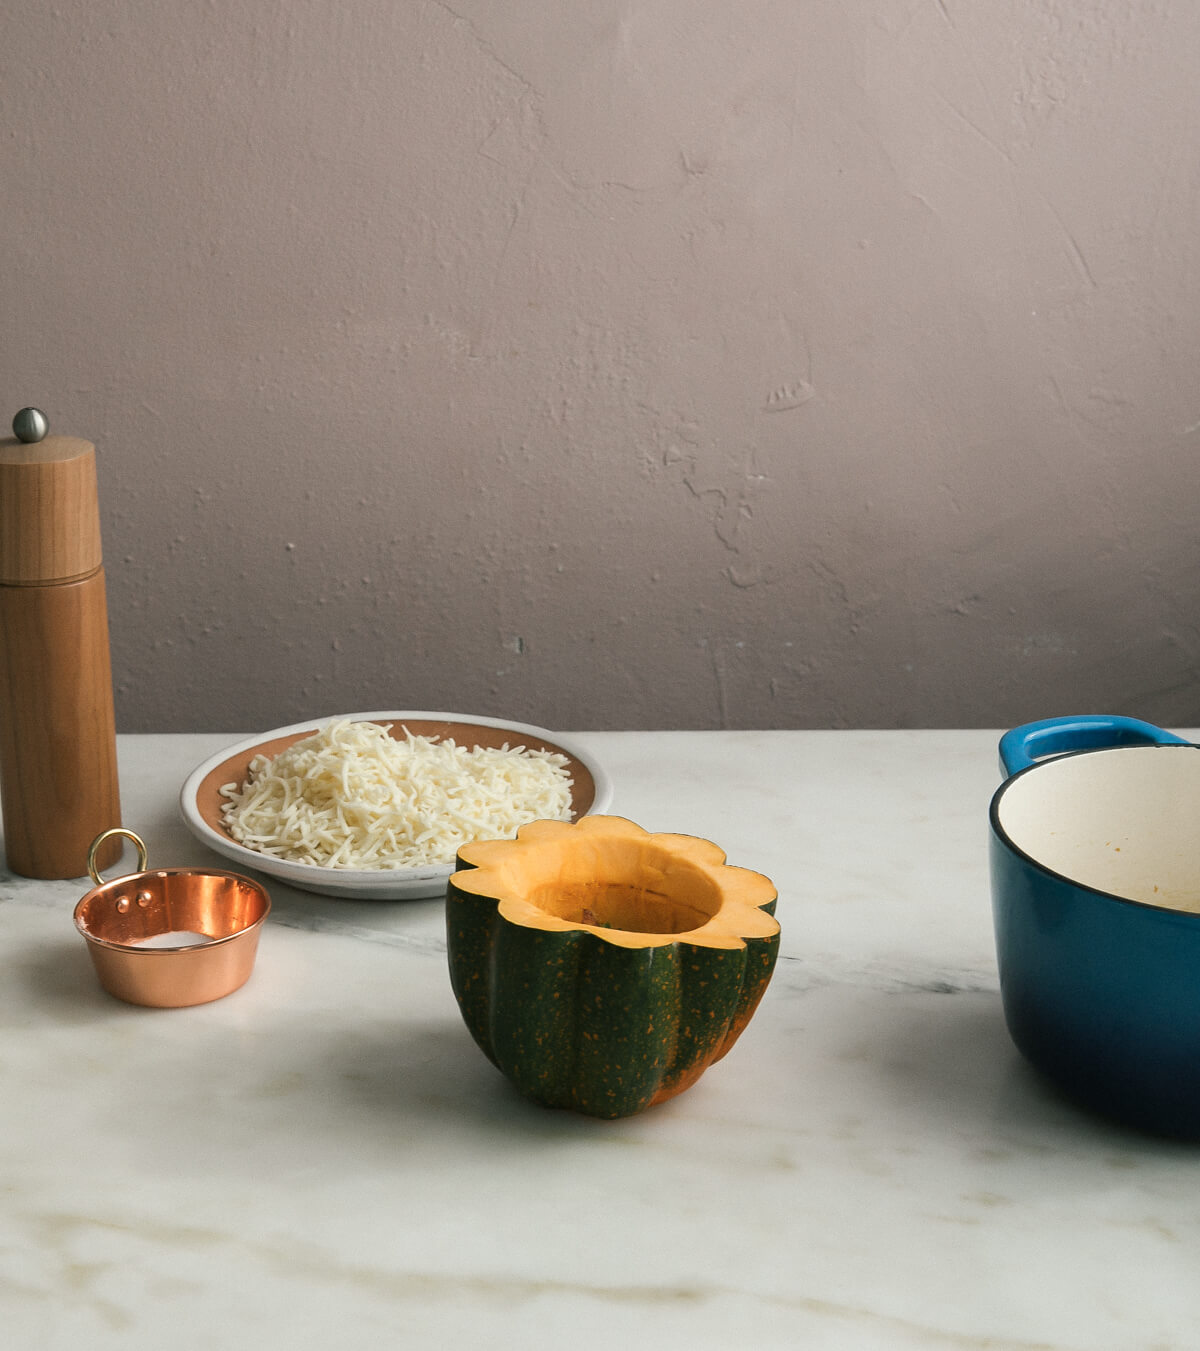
[[58, 753]]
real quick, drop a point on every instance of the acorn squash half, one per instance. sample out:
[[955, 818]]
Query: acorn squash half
[[603, 968]]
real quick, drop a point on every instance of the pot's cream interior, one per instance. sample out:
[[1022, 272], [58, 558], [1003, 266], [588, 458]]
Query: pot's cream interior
[[1125, 821]]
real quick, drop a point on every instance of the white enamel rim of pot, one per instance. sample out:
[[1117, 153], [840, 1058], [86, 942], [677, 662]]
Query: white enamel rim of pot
[[1121, 820]]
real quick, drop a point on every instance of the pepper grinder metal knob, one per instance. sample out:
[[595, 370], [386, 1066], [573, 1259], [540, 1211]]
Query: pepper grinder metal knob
[[30, 425], [58, 760]]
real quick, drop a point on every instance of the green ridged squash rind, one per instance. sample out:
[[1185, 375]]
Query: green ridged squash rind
[[604, 1026]]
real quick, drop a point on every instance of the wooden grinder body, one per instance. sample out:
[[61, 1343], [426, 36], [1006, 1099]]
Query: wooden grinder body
[[58, 760]]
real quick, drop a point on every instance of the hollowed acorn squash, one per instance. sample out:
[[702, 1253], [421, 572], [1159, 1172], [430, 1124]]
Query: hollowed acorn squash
[[603, 968]]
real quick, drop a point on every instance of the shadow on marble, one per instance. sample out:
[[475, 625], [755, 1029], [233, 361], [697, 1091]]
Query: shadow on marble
[[434, 1072], [1069, 1115], [417, 924], [57, 978], [952, 1059]]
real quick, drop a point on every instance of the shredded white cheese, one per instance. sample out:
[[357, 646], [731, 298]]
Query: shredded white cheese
[[353, 796]]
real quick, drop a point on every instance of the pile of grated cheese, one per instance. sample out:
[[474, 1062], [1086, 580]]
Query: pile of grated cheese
[[353, 796]]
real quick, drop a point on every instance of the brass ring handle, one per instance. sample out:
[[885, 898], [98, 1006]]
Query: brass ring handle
[[138, 843]]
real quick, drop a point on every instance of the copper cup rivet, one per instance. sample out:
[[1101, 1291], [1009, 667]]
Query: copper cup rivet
[[170, 937]]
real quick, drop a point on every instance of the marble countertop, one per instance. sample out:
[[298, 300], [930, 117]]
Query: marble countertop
[[325, 1159]]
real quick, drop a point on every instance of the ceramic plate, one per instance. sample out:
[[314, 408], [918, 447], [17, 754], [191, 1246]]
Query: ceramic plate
[[200, 800]]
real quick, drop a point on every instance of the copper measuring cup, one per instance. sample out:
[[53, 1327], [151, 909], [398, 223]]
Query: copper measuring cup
[[170, 937]]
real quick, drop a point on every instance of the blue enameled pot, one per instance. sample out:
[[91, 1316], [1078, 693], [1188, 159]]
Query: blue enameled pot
[[1095, 859]]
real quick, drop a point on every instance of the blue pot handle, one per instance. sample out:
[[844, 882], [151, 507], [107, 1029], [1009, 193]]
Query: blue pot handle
[[1023, 746]]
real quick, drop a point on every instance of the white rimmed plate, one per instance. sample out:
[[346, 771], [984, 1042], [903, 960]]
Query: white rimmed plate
[[200, 800]]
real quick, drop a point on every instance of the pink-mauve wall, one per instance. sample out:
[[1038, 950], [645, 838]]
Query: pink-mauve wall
[[621, 363]]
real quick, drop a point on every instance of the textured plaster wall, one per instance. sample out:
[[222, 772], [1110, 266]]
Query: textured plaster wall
[[621, 363]]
